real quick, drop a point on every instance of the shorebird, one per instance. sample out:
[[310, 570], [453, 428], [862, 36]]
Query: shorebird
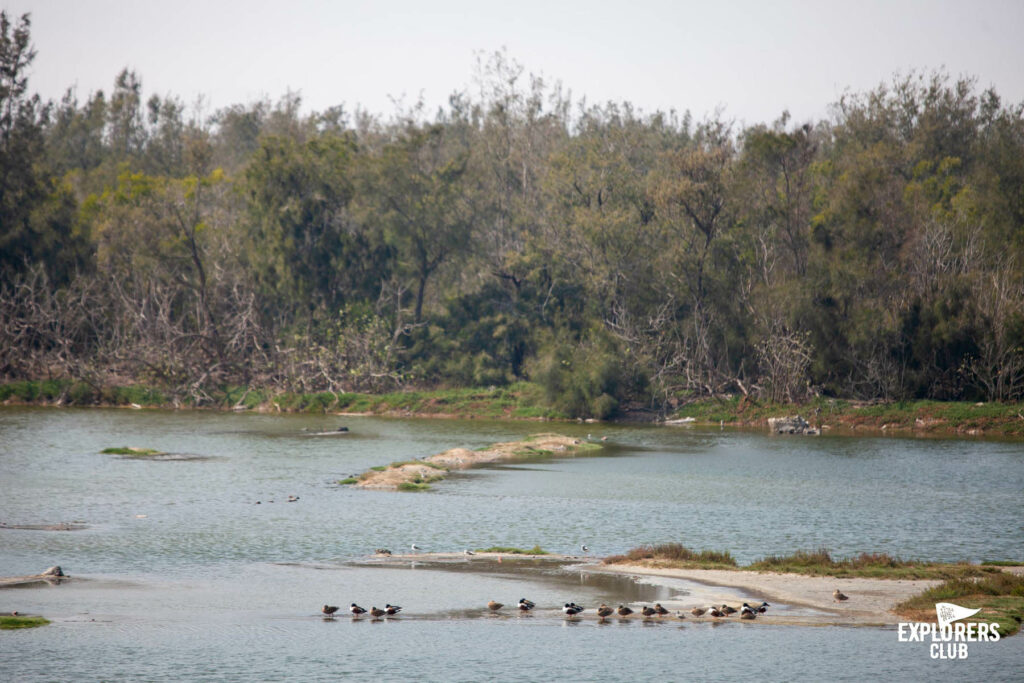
[[648, 611], [763, 607], [468, 552], [604, 611], [329, 610], [839, 597], [494, 606], [382, 551], [748, 612], [376, 613], [392, 610], [356, 610], [659, 609], [713, 611], [525, 605], [698, 611], [624, 611], [584, 548], [415, 548], [726, 610]]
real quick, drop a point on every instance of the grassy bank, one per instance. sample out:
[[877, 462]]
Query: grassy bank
[[812, 563], [999, 596], [922, 417], [508, 550], [525, 400]]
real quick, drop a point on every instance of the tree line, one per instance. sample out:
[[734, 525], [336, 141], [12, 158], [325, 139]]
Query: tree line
[[610, 255]]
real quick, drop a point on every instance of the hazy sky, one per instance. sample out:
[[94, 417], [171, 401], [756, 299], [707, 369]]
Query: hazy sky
[[752, 58]]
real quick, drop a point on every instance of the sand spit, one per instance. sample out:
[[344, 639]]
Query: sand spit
[[433, 468]]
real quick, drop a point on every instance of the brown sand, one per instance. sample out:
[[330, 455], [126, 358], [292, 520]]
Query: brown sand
[[463, 458]]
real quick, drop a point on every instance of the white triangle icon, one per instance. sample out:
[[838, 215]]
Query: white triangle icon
[[947, 613]]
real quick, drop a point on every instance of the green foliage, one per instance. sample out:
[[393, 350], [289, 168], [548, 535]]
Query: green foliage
[[16, 622], [584, 381], [675, 554], [348, 480], [508, 550], [130, 450]]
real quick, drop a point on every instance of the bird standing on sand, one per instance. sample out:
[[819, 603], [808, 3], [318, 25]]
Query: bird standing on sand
[[747, 612], [392, 610], [624, 611], [571, 610], [356, 610], [698, 611], [376, 613], [525, 605], [494, 606], [585, 549], [713, 611], [726, 610], [329, 610], [659, 609], [763, 607], [839, 597], [415, 548], [467, 552], [648, 611], [604, 611]]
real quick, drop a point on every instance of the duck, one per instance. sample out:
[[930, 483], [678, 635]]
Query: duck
[[748, 613], [714, 612], [356, 609], [648, 611], [763, 607], [382, 551], [392, 610], [376, 613], [680, 615], [698, 611], [578, 607], [494, 606], [659, 609], [571, 609], [624, 611], [747, 608], [726, 610], [584, 548], [838, 596], [604, 611], [329, 610], [525, 605]]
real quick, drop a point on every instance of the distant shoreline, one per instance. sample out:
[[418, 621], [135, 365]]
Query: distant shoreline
[[524, 402]]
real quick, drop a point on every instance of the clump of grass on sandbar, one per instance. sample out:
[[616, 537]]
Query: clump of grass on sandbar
[[1000, 597], [675, 554], [426, 463], [130, 450], [868, 565], [535, 550], [13, 622]]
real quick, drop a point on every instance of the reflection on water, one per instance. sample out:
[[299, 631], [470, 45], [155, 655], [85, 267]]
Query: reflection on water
[[176, 557]]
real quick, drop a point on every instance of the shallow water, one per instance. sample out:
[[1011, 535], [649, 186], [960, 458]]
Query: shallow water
[[187, 577]]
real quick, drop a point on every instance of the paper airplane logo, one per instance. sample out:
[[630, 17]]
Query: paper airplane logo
[[947, 613]]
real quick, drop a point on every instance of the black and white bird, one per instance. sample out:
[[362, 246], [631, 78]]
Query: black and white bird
[[415, 548], [356, 610], [392, 610], [584, 548], [748, 612], [763, 607], [571, 610], [525, 605], [468, 552]]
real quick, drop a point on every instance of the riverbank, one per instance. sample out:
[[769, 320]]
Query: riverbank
[[526, 401]]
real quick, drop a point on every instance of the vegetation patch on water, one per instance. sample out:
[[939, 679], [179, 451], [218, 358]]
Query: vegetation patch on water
[[19, 621], [416, 475], [675, 555], [509, 550], [1000, 597], [132, 451], [813, 563]]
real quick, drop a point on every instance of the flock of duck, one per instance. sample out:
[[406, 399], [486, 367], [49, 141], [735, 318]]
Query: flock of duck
[[571, 609]]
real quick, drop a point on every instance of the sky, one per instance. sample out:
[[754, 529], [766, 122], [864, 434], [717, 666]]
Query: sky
[[748, 59]]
